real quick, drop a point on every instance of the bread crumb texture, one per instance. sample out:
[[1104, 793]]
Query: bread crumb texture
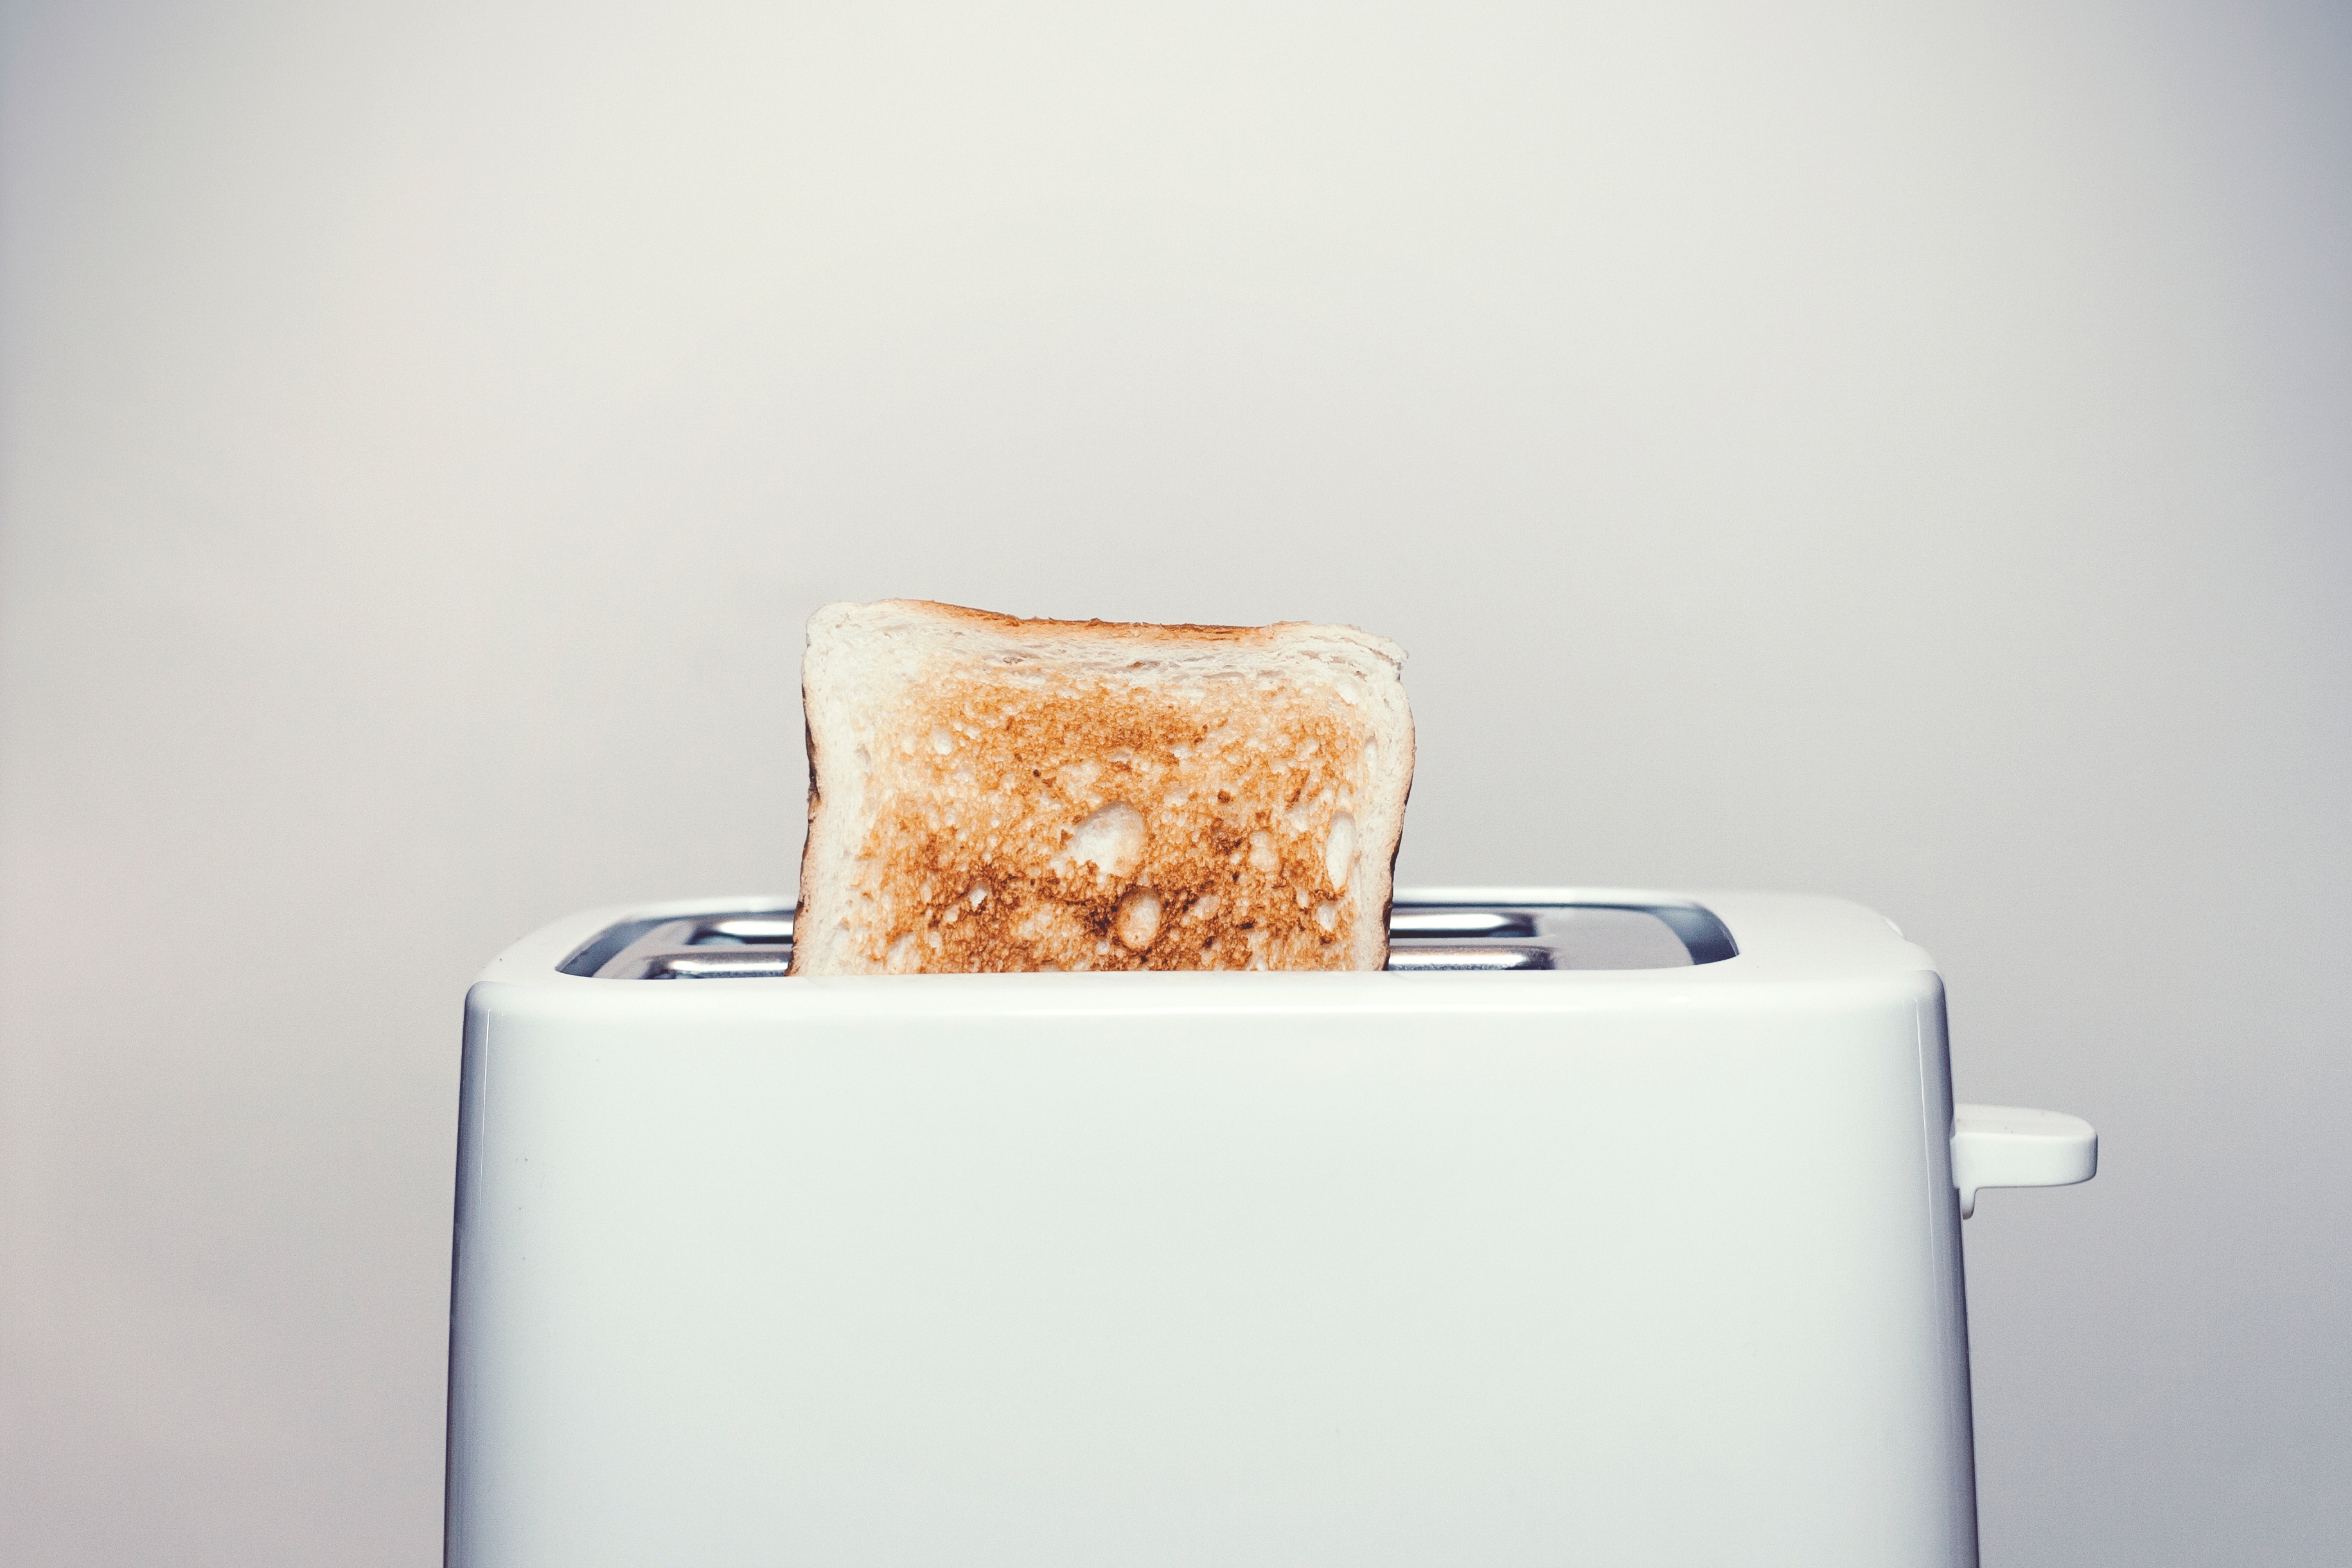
[[1014, 812]]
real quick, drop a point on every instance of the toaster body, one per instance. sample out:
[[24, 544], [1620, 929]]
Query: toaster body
[[1516, 1256]]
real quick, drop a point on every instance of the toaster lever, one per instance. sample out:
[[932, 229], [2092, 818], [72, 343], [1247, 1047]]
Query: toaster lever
[[2005, 1146]]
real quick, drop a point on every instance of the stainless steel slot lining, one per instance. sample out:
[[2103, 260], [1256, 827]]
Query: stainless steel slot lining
[[766, 963], [1414, 955], [751, 928], [756, 944], [1407, 922], [707, 947]]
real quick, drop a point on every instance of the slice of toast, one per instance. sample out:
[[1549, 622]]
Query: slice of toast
[[989, 794]]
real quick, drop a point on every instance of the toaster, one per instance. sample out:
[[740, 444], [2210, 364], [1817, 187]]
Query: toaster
[[1607, 1226]]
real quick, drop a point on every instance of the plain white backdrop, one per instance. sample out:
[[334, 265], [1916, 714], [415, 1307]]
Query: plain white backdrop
[[1897, 451]]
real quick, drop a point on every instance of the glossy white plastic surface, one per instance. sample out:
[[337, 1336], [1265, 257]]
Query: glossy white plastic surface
[[2007, 1146], [1642, 1267]]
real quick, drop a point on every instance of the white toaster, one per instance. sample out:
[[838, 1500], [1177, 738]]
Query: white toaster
[[1606, 1227]]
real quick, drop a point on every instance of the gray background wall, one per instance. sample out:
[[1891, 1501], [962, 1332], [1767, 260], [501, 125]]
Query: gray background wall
[[1898, 452]]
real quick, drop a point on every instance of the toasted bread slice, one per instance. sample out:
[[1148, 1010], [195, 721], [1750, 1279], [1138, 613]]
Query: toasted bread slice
[[989, 794]]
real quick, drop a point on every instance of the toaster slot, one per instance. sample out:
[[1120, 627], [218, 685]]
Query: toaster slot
[[749, 929], [758, 944], [746, 945], [1470, 955], [1595, 936], [1408, 921], [715, 963], [1606, 939]]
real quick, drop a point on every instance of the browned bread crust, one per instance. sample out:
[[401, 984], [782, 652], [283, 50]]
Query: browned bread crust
[[991, 794]]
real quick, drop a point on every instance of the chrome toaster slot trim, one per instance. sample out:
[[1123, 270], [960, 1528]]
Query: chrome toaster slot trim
[[767, 962], [1495, 955], [1447, 921], [1617, 934]]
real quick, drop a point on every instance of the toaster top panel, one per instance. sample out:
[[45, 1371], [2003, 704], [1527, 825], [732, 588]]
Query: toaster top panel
[[1426, 932]]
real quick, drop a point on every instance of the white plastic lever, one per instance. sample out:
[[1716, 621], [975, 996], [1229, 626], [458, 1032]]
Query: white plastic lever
[[2003, 1145]]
